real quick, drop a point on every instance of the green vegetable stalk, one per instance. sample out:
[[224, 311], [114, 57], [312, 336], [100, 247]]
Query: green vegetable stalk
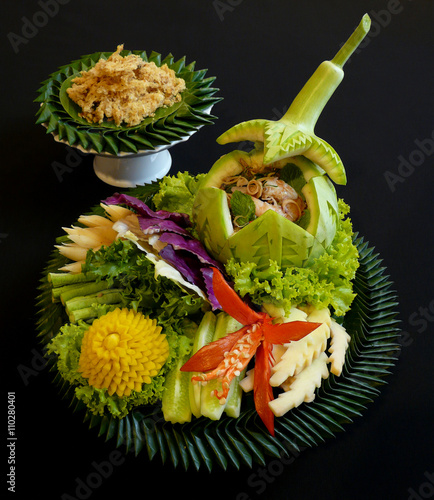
[[110, 296], [70, 291], [89, 313], [57, 292], [64, 279], [81, 294]]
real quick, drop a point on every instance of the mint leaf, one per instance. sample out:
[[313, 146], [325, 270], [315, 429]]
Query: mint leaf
[[293, 176], [242, 208]]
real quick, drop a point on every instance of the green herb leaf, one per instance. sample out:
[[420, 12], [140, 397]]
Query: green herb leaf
[[293, 176], [242, 208]]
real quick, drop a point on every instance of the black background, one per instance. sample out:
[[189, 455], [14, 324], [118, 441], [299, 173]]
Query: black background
[[380, 120]]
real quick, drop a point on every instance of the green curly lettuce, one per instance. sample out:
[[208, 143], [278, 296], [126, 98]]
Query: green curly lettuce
[[327, 283], [126, 267], [176, 193]]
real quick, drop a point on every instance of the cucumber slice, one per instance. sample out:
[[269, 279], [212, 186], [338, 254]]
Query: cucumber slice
[[175, 400], [204, 336], [210, 405], [233, 403]]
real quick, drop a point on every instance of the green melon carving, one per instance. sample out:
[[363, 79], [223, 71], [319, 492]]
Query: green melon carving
[[291, 139], [270, 236], [293, 134]]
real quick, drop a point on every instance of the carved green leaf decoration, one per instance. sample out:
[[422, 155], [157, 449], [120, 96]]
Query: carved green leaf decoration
[[60, 115], [373, 325], [281, 141]]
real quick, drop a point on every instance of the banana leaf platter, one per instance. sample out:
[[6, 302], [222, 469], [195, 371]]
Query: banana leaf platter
[[373, 324], [169, 125]]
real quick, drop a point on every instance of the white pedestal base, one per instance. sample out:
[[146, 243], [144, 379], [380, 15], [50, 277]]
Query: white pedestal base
[[132, 170]]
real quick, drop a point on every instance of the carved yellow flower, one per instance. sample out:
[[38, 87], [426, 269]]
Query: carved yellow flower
[[121, 351]]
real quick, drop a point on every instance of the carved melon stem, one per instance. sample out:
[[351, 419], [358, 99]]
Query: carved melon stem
[[311, 100]]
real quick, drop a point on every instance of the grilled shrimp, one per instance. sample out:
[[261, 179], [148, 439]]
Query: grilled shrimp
[[262, 206], [291, 209], [278, 190]]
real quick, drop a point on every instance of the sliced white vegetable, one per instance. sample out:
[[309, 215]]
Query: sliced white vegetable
[[295, 314], [300, 354], [320, 316], [278, 351], [246, 383], [338, 347], [302, 388]]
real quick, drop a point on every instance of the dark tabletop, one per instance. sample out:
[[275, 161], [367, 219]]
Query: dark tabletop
[[380, 120]]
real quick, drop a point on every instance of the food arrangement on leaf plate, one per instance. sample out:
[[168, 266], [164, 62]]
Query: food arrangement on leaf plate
[[224, 297], [125, 102]]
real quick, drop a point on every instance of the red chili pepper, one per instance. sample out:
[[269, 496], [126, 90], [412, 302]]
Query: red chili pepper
[[212, 354], [227, 357], [262, 390], [231, 301]]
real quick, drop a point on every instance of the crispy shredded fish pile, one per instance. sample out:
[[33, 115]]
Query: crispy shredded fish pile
[[125, 89]]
